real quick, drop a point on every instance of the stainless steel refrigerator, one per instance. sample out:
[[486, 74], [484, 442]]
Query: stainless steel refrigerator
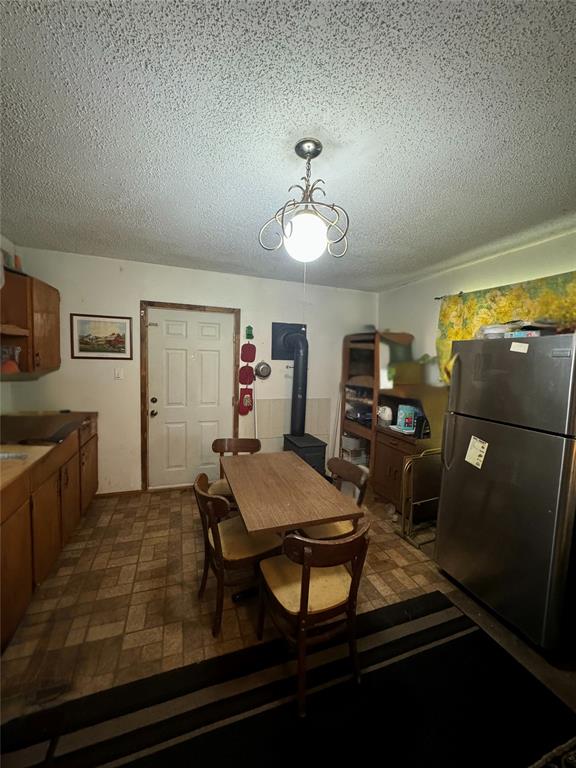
[[506, 520]]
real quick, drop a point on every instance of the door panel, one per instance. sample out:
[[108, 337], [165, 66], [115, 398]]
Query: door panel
[[176, 444], [176, 377], [490, 377], [46, 308], [498, 525], [46, 527], [70, 496], [209, 384], [16, 567], [88, 471], [191, 374]]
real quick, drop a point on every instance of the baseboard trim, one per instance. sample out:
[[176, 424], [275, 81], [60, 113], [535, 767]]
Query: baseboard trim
[[141, 491]]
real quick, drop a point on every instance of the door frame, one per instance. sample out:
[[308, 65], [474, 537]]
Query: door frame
[[144, 307]]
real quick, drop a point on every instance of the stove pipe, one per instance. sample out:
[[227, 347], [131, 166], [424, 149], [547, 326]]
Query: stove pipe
[[299, 344]]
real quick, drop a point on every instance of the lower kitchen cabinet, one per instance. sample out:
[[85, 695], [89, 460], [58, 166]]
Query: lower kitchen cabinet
[[88, 471], [41, 503], [16, 546], [70, 496], [46, 526], [390, 454]]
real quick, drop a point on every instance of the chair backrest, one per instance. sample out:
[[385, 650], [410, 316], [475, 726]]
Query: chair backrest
[[326, 553], [235, 445], [212, 509], [342, 470]]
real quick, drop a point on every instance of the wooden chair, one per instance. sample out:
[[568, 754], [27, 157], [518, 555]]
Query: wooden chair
[[341, 471], [228, 546], [311, 584], [233, 445]]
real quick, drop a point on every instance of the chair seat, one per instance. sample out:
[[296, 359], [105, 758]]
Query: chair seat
[[220, 488], [238, 544], [329, 530], [329, 587]]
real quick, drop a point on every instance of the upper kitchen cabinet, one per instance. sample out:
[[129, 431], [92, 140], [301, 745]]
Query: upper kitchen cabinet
[[29, 327]]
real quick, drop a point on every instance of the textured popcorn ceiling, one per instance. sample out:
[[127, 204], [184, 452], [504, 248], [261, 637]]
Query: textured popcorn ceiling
[[164, 131]]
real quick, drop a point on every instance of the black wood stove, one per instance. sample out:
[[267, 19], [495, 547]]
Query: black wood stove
[[308, 447]]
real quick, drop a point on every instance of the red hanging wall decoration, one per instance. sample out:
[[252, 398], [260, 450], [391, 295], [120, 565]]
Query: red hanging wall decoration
[[246, 401], [246, 375]]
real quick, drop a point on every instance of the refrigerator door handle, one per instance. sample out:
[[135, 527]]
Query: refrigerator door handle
[[448, 441], [455, 382]]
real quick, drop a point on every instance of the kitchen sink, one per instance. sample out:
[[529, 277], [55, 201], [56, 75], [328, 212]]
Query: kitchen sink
[[11, 455]]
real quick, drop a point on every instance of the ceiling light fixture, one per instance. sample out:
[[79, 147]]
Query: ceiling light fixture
[[307, 227]]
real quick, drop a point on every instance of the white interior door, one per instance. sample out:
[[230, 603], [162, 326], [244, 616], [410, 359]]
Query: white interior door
[[190, 374]]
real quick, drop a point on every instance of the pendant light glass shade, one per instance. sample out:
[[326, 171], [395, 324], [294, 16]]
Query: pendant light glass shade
[[308, 227], [307, 239]]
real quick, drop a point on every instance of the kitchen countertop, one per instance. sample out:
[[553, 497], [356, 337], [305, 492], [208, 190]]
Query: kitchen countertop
[[11, 469], [35, 427]]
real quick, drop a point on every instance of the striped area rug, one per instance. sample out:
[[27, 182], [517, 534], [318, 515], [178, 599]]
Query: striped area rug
[[435, 690]]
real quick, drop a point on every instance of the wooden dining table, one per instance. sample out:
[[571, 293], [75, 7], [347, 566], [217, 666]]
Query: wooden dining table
[[281, 492]]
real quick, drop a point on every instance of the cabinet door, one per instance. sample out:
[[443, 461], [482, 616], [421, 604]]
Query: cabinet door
[[70, 496], [46, 326], [89, 471], [388, 466], [46, 527], [16, 569]]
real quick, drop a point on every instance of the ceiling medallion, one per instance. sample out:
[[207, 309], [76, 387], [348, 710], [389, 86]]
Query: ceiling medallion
[[307, 227]]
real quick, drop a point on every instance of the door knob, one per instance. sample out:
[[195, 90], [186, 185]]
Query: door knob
[[153, 413], [153, 399]]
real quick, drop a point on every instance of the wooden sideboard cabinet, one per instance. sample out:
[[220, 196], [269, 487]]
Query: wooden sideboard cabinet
[[390, 453], [30, 325]]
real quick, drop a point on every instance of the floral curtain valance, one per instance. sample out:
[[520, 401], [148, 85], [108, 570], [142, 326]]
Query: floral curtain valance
[[462, 315]]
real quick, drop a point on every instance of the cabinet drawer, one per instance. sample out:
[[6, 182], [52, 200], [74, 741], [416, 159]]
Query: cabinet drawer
[[408, 447], [54, 460], [14, 495], [88, 429]]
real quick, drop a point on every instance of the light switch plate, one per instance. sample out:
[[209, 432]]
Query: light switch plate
[[118, 373]]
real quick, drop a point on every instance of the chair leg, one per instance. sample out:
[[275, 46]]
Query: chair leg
[[219, 603], [261, 613], [352, 646], [302, 673], [204, 575]]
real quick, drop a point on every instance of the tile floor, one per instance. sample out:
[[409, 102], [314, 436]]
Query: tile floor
[[122, 601]]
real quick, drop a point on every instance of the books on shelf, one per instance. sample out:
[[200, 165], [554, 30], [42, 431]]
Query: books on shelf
[[525, 334]]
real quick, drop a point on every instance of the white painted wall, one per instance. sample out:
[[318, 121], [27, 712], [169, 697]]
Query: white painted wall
[[413, 308], [94, 285]]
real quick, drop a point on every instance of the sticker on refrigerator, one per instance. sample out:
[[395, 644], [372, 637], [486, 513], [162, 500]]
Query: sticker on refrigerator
[[476, 452], [518, 346]]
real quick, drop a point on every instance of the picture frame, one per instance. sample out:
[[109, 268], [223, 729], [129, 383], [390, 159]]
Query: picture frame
[[100, 337]]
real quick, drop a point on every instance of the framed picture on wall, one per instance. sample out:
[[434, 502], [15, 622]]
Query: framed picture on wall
[[101, 337]]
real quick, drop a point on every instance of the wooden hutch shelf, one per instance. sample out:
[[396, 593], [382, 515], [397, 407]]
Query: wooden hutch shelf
[[361, 396], [13, 330]]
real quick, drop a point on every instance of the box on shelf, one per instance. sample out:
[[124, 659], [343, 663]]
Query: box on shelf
[[351, 443], [355, 457]]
